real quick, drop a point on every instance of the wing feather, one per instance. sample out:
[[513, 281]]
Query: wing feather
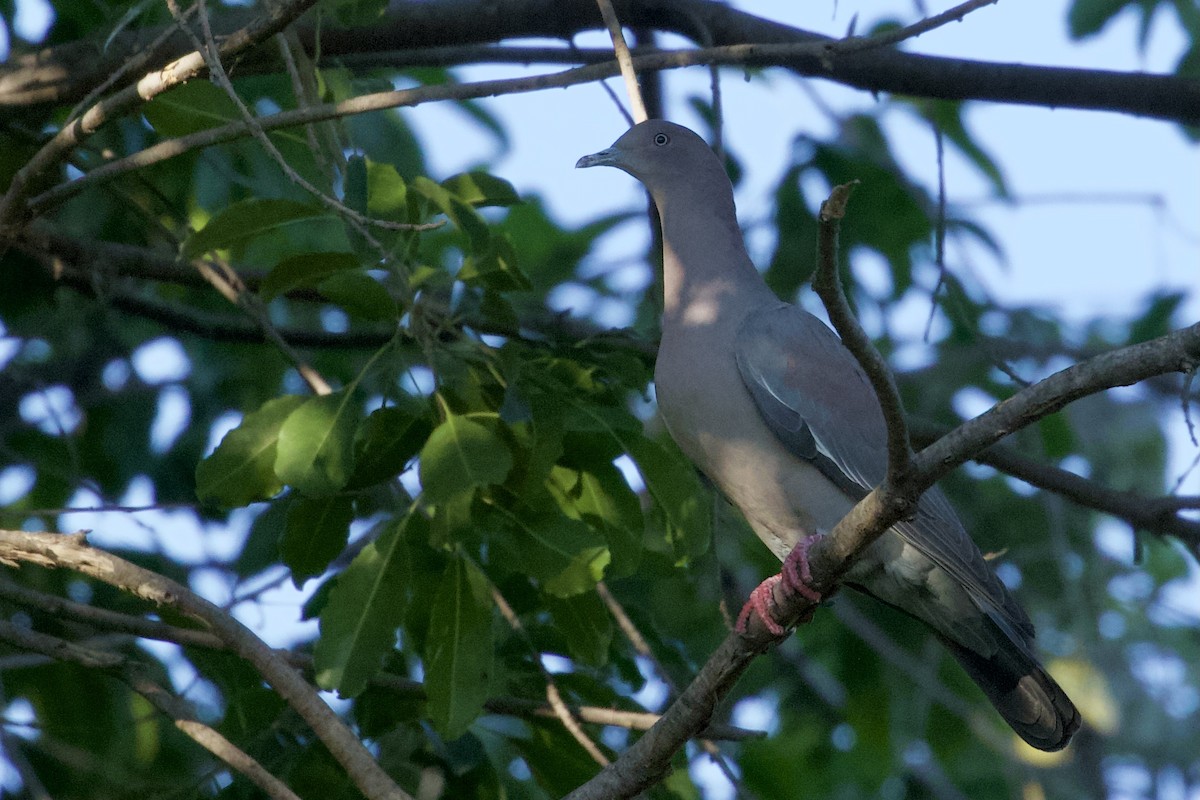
[[818, 402]]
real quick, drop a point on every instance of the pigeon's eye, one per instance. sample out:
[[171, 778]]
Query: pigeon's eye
[[661, 138]]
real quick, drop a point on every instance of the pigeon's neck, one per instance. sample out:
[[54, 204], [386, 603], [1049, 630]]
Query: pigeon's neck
[[707, 274]]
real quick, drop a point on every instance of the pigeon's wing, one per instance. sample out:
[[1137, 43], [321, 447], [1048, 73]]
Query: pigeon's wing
[[818, 402]]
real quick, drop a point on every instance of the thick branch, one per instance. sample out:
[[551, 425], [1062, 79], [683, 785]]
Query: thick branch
[[1154, 514], [648, 758], [81, 264], [1125, 366], [12, 206], [105, 619], [73, 552], [172, 706], [64, 73]]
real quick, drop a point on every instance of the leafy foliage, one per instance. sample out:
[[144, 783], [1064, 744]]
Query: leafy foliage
[[479, 460]]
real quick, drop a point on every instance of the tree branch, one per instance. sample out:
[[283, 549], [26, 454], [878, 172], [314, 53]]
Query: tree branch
[[140, 627], [553, 697], [79, 264], [73, 552], [65, 72], [13, 206], [1155, 514], [828, 285], [649, 758], [167, 703], [890, 38], [744, 55]]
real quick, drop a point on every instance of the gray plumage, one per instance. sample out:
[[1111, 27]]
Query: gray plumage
[[766, 401]]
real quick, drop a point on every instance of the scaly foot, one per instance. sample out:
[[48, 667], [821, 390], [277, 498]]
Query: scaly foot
[[796, 577]]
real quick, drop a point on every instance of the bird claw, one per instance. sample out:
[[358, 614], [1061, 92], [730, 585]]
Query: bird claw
[[795, 576], [796, 573], [760, 602]]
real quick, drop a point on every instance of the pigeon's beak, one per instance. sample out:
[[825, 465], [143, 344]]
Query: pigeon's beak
[[605, 158]]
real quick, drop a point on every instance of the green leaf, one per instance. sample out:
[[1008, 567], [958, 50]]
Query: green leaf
[[315, 453], [387, 440], [1189, 62], [306, 269], [1088, 17], [535, 538], [499, 312], [481, 189], [355, 13], [241, 222], [261, 546], [464, 217], [601, 497], [494, 266], [458, 650], [387, 195], [1057, 439], [548, 253], [314, 606], [797, 227], [679, 785], [461, 454], [189, 108], [360, 295], [242, 468], [586, 625], [134, 11], [365, 607], [1157, 319], [316, 531], [555, 758], [670, 479]]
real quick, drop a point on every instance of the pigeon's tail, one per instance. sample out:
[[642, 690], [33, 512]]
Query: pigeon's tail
[[1025, 695]]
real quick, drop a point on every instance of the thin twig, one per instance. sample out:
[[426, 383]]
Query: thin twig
[[13, 205], [631, 632], [642, 648], [705, 38], [137, 63], [172, 706], [890, 38], [939, 229], [1185, 397], [828, 286], [230, 286], [140, 627], [1156, 514], [616, 100], [304, 92], [73, 552], [561, 711], [621, 50]]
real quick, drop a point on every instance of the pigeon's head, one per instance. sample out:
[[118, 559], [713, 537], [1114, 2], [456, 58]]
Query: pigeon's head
[[660, 153]]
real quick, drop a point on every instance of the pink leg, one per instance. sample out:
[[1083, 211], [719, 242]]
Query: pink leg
[[760, 603], [795, 576]]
